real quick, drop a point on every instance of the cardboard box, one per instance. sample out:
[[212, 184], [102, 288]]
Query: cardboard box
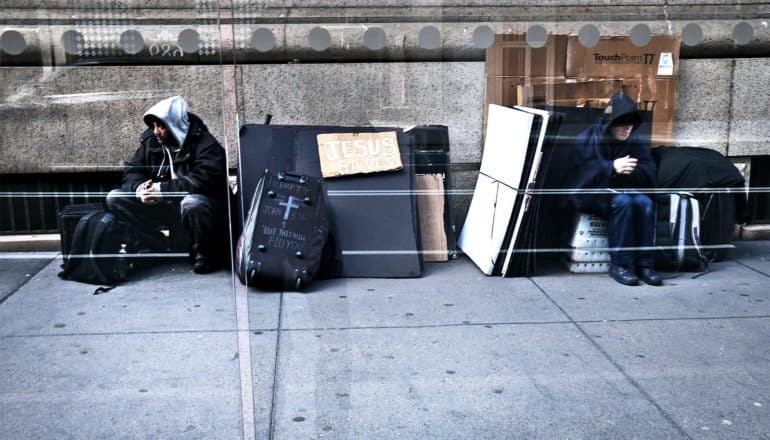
[[520, 75], [502, 90], [510, 55], [618, 57], [557, 93]]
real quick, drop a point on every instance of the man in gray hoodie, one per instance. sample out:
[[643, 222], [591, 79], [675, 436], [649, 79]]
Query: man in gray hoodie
[[178, 174]]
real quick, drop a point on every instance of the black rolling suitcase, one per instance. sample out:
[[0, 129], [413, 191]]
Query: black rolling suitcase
[[283, 238]]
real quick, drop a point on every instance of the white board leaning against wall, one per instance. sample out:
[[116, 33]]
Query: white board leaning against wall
[[506, 144]]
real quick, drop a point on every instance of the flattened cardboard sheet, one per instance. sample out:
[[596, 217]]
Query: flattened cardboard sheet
[[430, 203]]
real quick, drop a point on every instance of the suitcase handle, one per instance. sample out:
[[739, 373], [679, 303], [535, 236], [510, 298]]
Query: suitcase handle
[[286, 175]]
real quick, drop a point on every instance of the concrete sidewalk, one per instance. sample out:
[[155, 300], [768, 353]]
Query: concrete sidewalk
[[452, 355]]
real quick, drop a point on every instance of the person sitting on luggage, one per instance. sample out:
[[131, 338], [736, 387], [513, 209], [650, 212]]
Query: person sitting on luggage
[[178, 174], [610, 156]]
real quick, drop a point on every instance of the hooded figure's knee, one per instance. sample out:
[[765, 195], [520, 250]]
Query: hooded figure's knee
[[195, 202], [118, 198], [621, 202], [643, 203]]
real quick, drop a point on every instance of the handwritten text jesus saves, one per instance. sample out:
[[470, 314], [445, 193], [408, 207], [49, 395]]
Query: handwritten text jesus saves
[[343, 154]]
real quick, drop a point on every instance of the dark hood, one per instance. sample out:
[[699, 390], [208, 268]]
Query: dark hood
[[620, 107]]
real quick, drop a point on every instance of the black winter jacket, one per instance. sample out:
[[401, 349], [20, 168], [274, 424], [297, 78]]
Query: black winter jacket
[[200, 164], [594, 152]]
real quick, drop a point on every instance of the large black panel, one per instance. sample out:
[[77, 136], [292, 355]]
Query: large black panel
[[373, 217]]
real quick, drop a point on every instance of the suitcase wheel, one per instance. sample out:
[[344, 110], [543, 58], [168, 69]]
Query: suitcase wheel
[[255, 270], [301, 278]]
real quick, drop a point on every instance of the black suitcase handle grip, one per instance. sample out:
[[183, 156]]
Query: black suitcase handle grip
[[287, 175]]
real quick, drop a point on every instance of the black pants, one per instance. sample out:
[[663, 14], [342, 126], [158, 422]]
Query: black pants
[[203, 219], [631, 230]]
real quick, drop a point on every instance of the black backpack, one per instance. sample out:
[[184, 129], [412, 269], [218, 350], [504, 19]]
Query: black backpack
[[100, 251]]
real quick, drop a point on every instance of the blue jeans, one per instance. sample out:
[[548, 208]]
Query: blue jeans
[[631, 230]]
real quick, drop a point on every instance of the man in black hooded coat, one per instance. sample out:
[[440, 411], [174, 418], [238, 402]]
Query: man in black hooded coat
[[611, 167], [177, 175]]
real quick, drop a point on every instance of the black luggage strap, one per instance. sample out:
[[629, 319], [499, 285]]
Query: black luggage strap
[[102, 289]]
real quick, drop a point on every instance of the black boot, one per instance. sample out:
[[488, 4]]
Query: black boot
[[650, 276], [623, 275], [204, 264]]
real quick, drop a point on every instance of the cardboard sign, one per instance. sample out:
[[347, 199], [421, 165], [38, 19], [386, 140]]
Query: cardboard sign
[[345, 154]]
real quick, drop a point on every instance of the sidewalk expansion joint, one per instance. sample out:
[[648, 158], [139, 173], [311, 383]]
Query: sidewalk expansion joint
[[617, 366], [137, 333], [29, 278], [425, 326], [684, 318], [271, 427], [478, 324], [751, 268]]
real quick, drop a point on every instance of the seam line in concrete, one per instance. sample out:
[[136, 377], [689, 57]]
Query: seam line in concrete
[[29, 278], [751, 268], [426, 326], [318, 329], [271, 428], [730, 108], [477, 324], [165, 332], [695, 318], [617, 366], [243, 341]]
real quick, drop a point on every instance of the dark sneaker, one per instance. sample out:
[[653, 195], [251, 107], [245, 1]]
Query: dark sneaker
[[650, 276], [203, 264], [623, 275]]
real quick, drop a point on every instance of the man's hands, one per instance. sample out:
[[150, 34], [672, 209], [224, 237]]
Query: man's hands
[[148, 193], [625, 164]]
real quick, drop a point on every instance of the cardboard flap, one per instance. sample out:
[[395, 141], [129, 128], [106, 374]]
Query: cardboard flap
[[430, 204]]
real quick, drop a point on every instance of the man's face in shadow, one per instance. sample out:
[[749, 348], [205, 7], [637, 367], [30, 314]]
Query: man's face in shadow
[[621, 132], [162, 133]]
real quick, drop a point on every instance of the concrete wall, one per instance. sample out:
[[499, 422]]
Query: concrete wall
[[71, 118], [68, 108]]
